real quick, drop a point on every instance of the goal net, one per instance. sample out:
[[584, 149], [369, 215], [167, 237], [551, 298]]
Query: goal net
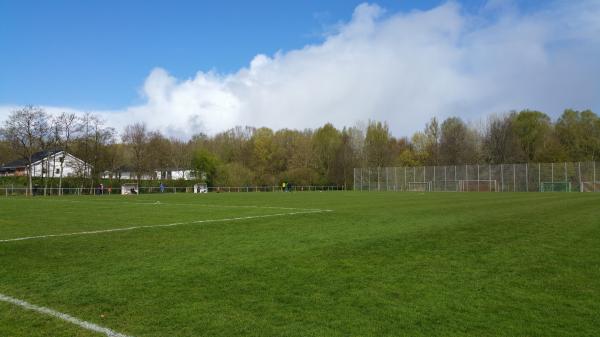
[[477, 186], [128, 189], [590, 186], [421, 186], [555, 186], [200, 188]]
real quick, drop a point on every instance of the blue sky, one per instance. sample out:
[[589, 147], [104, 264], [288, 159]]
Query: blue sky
[[95, 54], [121, 56]]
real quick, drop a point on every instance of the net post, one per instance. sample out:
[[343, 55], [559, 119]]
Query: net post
[[404, 178], [378, 179], [594, 176]]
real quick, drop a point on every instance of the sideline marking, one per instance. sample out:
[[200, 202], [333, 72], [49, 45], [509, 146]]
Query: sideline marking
[[65, 317], [163, 225], [150, 202]]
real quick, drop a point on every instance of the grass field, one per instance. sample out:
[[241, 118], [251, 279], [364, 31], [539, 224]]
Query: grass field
[[304, 264]]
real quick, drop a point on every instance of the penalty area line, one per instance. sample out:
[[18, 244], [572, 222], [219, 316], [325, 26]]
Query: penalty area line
[[161, 225], [62, 316]]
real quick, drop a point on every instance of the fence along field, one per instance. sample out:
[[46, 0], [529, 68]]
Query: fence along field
[[532, 177]]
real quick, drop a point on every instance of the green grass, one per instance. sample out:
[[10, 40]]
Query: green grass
[[380, 264]]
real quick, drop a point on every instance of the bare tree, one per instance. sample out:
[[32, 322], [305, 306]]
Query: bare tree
[[66, 127], [136, 136], [26, 130]]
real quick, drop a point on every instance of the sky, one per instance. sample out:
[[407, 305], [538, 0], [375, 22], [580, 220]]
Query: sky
[[185, 67]]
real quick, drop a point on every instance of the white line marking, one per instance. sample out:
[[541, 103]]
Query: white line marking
[[174, 204], [65, 317], [162, 225]]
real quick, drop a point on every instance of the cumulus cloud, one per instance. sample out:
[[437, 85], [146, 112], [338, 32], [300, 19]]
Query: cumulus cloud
[[403, 68]]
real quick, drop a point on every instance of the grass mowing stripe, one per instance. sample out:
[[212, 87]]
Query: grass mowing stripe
[[65, 317], [161, 225], [181, 204]]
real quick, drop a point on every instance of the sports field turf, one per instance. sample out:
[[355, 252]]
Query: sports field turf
[[304, 264]]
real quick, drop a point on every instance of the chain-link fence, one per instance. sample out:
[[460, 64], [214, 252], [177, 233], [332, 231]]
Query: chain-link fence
[[546, 177]]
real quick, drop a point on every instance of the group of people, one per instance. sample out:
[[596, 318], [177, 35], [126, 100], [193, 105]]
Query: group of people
[[100, 189]]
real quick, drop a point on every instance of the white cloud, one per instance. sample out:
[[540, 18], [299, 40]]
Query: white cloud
[[403, 68]]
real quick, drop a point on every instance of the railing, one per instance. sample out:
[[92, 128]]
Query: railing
[[54, 191]]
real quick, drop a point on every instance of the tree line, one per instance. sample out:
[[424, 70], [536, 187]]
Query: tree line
[[245, 156]]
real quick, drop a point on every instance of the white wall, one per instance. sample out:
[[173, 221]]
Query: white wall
[[50, 166]]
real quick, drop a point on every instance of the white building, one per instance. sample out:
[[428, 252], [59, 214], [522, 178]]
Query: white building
[[49, 163], [174, 174], [127, 173]]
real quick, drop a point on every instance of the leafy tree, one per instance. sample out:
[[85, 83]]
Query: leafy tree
[[579, 133], [205, 165], [531, 128], [378, 144], [457, 143], [326, 142]]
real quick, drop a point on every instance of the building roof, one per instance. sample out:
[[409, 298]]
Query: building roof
[[34, 159]]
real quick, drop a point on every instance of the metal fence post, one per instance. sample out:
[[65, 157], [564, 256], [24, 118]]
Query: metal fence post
[[514, 178], [445, 180], [478, 188], [526, 177], [387, 180], [378, 179], [579, 169], [594, 177], [539, 177]]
